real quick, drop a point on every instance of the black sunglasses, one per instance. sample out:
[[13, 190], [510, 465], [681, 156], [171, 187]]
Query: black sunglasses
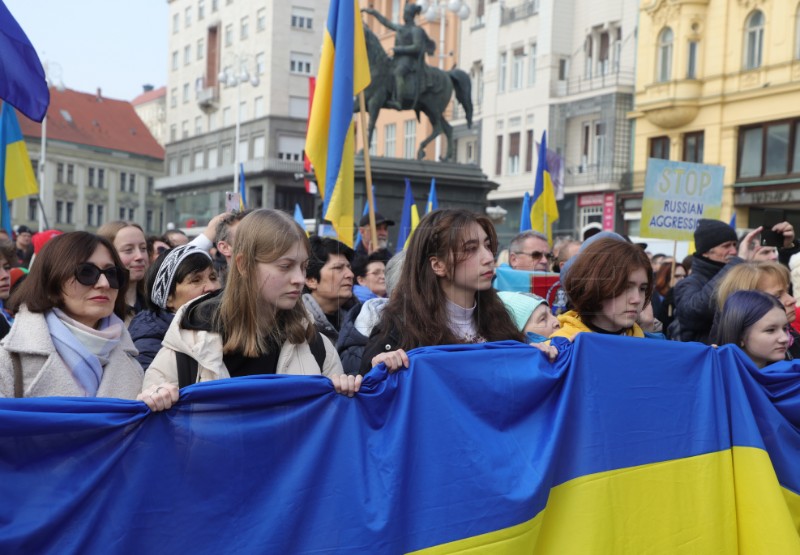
[[88, 274]]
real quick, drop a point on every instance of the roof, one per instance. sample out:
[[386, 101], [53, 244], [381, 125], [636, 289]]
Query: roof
[[146, 97], [92, 120]]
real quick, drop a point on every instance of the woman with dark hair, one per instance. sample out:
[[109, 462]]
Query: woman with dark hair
[[175, 278], [756, 322], [8, 256], [328, 293], [609, 283], [663, 299], [445, 293], [256, 326], [68, 338]]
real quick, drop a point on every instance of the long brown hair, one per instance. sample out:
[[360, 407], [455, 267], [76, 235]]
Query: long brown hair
[[263, 236], [417, 309], [55, 265], [109, 231]]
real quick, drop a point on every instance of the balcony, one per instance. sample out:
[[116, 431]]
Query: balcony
[[208, 99], [510, 14], [582, 85], [584, 177]]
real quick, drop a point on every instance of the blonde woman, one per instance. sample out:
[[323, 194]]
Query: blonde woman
[[255, 326]]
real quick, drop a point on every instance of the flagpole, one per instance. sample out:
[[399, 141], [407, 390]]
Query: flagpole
[[373, 231]]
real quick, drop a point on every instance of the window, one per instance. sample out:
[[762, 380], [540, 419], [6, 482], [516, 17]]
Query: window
[[173, 166], [148, 220], [59, 173], [261, 19], [529, 151], [664, 62], [300, 63], [754, 40], [198, 160], [244, 150], [261, 65], [600, 144], [198, 125], [517, 67], [176, 23], [389, 144], [70, 219], [187, 18], [70, 174], [184, 129], [132, 214], [563, 69], [259, 146], [291, 148], [691, 64], [659, 148], [618, 50], [173, 98], [214, 5], [587, 49], [187, 55], [396, 11], [59, 211], [212, 158], [513, 153], [771, 149], [244, 28], [185, 93], [174, 60], [32, 208], [101, 178], [242, 110], [185, 167], [373, 145], [201, 9], [603, 53], [173, 132], [409, 139], [586, 140], [501, 75], [91, 177], [132, 182], [229, 34], [477, 77], [90, 215], [151, 185], [227, 155], [480, 12], [302, 18], [201, 48], [121, 213], [693, 147], [258, 106], [100, 213], [123, 179], [226, 116], [532, 64], [498, 159]]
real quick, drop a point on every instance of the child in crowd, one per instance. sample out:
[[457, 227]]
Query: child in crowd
[[756, 322]]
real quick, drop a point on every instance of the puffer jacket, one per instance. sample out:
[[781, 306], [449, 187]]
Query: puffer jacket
[[147, 329]]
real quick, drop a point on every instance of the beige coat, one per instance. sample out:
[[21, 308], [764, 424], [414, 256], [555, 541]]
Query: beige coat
[[206, 348], [44, 373]]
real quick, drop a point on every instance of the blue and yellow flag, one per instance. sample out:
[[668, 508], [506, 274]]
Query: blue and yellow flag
[[525, 215], [433, 202], [408, 220], [298, 217], [22, 80], [475, 449], [364, 212], [242, 189], [343, 72], [16, 174], [544, 210]]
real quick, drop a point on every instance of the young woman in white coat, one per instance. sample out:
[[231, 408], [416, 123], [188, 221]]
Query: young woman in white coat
[[256, 325], [68, 337]]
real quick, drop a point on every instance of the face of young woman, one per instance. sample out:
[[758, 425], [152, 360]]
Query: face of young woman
[[766, 341], [88, 304], [132, 249], [542, 321], [622, 311], [475, 271], [192, 286], [5, 278], [775, 287], [375, 278], [281, 281]]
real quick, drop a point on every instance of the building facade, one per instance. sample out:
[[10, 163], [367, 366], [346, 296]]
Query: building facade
[[718, 82], [101, 163], [563, 67], [245, 62], [151, 107]]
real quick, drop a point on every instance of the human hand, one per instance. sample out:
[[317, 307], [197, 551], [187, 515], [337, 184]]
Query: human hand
[[211, 229], [549, 350], [394, 360], [346, 385], [785, 229], [747, 248], [160, 397]]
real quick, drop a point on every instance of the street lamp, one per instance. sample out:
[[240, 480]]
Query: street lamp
[[231, 79], [437, 11], [52, 75]]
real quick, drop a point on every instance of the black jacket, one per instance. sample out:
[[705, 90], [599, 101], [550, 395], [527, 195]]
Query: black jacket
[[351, 342], [379, 342]]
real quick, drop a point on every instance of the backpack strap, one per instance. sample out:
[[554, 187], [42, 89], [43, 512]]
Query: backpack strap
[[19, 390], [318, 350], [187, 369]]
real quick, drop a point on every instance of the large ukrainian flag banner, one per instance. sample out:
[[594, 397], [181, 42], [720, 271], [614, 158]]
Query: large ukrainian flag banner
[[622, 445], [343, 73]]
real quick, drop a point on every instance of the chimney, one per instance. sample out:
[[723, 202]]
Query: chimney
[[99, 94], [147, 88]]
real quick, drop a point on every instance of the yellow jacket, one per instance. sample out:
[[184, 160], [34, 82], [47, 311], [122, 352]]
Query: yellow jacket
[[572, 325]]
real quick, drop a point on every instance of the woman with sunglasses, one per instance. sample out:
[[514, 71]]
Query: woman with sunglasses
[[68, 337]]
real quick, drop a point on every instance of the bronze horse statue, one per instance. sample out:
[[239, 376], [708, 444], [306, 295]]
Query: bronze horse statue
[[435, 88]]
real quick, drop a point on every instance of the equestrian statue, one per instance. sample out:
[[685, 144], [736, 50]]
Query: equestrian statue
[[406, 82]]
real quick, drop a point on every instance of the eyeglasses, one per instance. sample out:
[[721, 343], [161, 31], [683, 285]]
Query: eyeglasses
[[88, 274], [537, 255]]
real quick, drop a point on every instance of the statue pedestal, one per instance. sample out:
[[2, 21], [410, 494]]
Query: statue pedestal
[[457, 186]]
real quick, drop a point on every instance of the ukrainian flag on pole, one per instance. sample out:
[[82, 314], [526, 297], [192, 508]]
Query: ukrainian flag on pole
[[343, 73], [409, 220], [544, 210], [16, 174]]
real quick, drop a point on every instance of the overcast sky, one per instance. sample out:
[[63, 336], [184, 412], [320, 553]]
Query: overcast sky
[[117, 45]]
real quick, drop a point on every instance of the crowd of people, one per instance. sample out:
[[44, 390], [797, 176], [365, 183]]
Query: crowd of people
[[120, 314]]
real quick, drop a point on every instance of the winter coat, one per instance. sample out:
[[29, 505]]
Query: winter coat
[[206, 348], [572, 324], [44, 373], [694, 298], [147, 329]]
